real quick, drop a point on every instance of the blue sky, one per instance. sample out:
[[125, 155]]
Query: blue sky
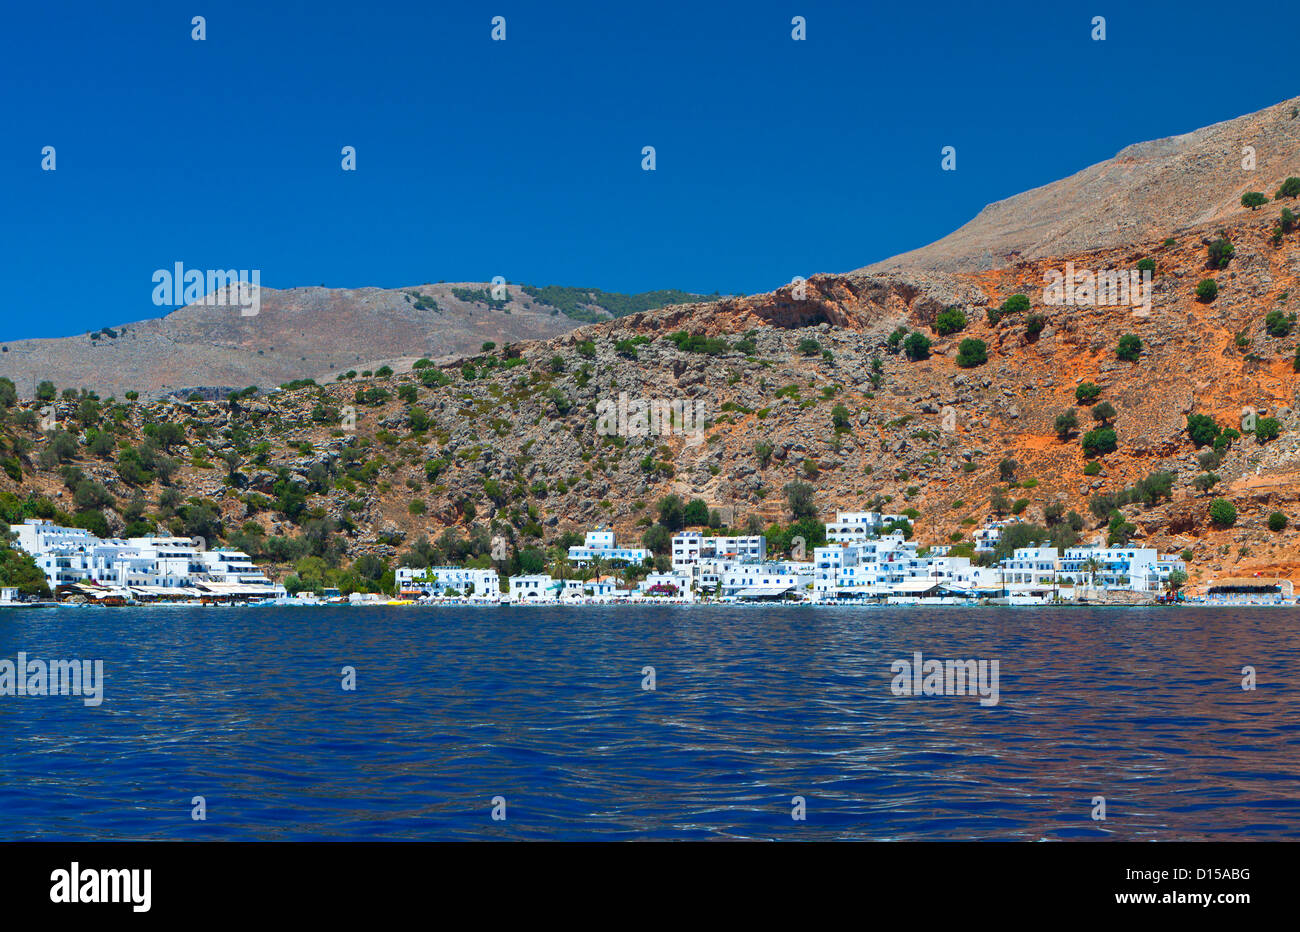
[[522, 158]]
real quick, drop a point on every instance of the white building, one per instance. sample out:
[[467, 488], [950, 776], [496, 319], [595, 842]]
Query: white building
[[665, 584], [601, 587], [147, 566], [535, 587], [989, 535], [856, 526], [1140, 569], [868, 568], [439, 580], [600, 545], [767, 580], [36, 535], [691, 547]]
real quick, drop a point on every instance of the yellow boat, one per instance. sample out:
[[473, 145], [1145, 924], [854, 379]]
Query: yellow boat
[[400, 602]]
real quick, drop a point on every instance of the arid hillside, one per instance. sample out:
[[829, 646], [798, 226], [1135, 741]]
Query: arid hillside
[[1149, 190], [302, 333], [819, 388]]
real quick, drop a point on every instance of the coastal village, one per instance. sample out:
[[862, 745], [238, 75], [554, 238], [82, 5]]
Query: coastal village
[[863, 562], [974, 435]]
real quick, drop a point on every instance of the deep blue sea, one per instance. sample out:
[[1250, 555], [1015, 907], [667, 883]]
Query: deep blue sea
[[752, 706]]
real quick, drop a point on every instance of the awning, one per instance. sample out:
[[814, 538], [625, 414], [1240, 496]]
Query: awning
[[1245, 582], [233, 589], [758, 592], [916, 585], [170, 592]]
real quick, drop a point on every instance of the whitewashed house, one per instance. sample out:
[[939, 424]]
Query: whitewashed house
[[691, 547], [856, 526], [534, 587], [600, 545], [673, 585], [774, 579], [1140, 569], [439, 580]]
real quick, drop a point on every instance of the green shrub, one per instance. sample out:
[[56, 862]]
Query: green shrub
[[1087, 393], [698, 343], [1092, 469], [1201, 429], [1227, 437], [1104, 412], [1034, 325], [1278, 324], [951, 320], [1290, 188], [1066, 423], [1207, 289], [971, 353], [917, 346], [1277, 522], [1016, 304], [1129, 348], [1220, 253], [1223, 513], [1205, 481], [1267, 428], [1254, 200], [1147, 265], [1099, 442]]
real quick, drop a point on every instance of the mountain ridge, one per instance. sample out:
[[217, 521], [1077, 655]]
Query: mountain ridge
[[1173, 184], [305, 332]]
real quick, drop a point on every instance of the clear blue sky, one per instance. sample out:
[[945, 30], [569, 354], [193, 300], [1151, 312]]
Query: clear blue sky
[[523, 158]]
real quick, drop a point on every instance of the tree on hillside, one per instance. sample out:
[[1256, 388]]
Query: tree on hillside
[[1086, 393], [672, 512], [950, 320], [971, 353], [1220, 253], [799, 497], [1104, 413], [1066, 423], [917, 346], [1223, 513], [1201, 429]]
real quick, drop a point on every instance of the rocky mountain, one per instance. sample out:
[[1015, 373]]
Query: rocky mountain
[[302, 333], [1151, 189]]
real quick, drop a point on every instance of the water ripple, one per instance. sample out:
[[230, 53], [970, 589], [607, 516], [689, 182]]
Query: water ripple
[[753, 707]]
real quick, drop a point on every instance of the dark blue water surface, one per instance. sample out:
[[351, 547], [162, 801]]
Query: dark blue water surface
[[753, 706]]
